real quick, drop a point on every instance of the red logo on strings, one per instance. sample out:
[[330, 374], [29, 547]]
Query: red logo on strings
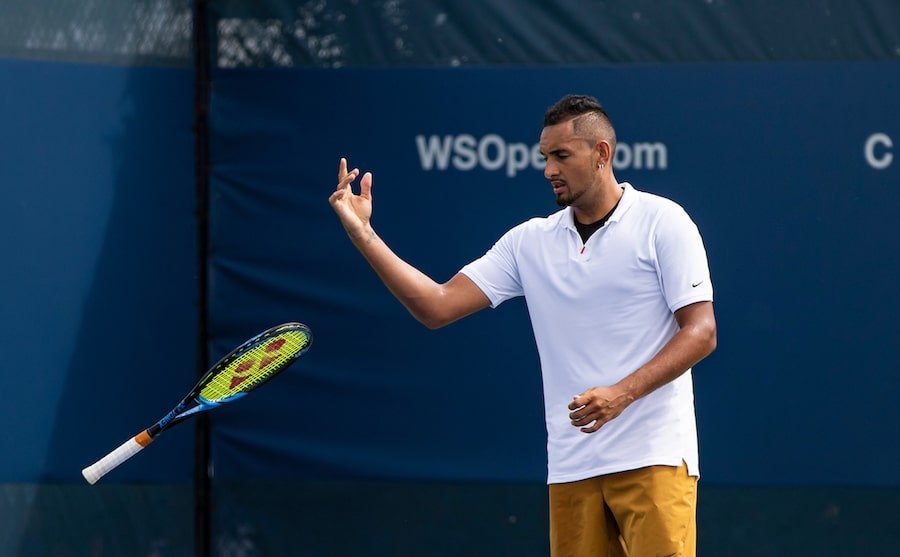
[[273, 346]]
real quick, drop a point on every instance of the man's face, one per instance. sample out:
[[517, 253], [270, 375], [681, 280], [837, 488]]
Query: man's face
[[571, 166]]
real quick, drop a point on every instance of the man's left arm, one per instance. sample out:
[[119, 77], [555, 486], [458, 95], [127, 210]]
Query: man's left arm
[[695, 339]]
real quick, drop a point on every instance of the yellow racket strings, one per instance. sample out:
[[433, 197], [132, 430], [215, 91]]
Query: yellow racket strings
[[256, 365]]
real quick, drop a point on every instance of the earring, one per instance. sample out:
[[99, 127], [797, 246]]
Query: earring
[[600, 166]]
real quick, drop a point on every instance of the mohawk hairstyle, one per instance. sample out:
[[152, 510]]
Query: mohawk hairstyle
[[571, 106], [595, 126]]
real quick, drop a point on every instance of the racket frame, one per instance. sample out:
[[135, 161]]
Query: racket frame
[[194, 403]]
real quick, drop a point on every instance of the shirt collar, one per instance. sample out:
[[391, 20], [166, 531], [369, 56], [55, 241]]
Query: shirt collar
[[629, 195]]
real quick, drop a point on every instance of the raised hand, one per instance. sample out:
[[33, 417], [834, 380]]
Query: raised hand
[[355, 211]]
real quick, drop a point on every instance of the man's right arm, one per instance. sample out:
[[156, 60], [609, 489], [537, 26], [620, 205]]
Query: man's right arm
[[433, 304]]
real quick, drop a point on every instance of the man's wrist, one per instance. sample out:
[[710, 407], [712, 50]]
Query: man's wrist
[[365, 235], [627, 389]]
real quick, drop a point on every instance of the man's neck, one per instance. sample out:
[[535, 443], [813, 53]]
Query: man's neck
[[607, 196]]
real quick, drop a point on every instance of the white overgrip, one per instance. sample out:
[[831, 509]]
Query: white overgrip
[[109, 462]]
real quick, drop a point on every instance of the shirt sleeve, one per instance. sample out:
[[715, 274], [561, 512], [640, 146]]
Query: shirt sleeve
[[496, 273], [681, 260]]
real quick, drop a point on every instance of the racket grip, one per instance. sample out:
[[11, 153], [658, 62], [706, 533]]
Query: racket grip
[[109, 462]]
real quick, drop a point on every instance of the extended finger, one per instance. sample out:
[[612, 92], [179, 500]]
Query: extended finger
[[348, 179], [342, 169], [365, 185], [337, 195]]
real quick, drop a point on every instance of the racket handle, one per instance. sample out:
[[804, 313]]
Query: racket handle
[[109, 462]]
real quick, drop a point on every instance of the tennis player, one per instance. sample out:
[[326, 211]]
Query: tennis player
[[620, 298]]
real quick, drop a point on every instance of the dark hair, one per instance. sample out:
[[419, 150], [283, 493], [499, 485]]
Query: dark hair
[[574, 106]]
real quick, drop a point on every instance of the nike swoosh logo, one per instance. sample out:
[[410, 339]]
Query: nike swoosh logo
[[696, 284]]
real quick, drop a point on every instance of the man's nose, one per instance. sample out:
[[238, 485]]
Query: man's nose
[[549, 170]]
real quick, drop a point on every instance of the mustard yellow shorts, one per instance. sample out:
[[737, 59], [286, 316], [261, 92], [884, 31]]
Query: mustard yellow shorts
[[649, 512]]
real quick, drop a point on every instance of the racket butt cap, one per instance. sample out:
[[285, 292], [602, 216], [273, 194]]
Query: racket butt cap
[[90, 475]]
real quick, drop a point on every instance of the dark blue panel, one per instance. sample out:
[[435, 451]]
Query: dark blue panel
[[98, 285], [768, 159], [65, 519], [510, 519]]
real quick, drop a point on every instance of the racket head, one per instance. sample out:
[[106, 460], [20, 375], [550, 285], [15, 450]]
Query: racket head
[[253, 363]]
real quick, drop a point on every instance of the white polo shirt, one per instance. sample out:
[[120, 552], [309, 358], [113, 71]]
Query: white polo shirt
[[599, 311]]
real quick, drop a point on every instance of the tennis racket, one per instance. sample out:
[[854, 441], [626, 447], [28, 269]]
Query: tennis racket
[[243, 369]]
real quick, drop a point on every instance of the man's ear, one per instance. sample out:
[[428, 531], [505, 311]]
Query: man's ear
[[604, 152]]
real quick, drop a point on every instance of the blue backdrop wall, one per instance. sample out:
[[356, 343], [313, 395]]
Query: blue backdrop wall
[[98, 304], [786, 168], [99, 287], [784, 151]]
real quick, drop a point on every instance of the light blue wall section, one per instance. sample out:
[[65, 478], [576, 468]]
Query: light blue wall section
[[98, 281]]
